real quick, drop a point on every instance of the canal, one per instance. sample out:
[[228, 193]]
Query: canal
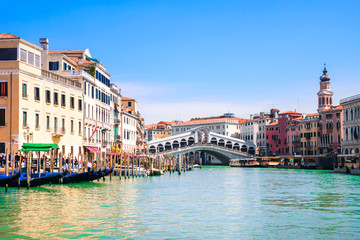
[[207, 203]]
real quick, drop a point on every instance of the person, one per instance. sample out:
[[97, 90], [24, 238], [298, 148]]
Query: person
[[89, 166], [17, 159]]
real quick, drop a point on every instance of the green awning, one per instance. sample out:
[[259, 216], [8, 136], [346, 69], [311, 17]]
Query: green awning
[[34, 149], [92, 59]]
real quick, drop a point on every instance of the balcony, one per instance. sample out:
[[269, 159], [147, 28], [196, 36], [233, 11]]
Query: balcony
[[78, 74], [324, 145], [60, 78]]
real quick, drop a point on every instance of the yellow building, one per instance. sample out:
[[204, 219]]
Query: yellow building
[[309, 134], [36, 105]]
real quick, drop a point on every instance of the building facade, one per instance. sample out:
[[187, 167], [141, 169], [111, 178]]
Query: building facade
[[159, 130], [36, 105], [351, 125], [309, 134]]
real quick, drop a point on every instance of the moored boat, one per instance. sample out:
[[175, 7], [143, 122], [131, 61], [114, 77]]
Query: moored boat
[[35, 180], [8, 179]]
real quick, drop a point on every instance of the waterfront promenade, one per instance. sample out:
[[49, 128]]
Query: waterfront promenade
[[207, 203]]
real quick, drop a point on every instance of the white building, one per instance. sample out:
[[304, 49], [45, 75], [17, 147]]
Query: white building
[[226, 125], [129, 131], [351, 125]]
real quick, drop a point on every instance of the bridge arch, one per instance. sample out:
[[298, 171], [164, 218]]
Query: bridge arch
[[221, 142], [236, 146], [191, 141], [152, 149], [160, 148], [251, 151], [229, 144], [175, 144], [214, 141], [168, 146], [244, 148], [183, 142]]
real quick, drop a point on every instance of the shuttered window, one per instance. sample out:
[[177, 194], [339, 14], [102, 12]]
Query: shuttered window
[[3, 89], [23, 55], [30, 58], [37, 61], [2, 117]]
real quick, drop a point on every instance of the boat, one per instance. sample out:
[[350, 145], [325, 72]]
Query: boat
[[8, 179], [76, 177], [35, 180], [196, 166], [96, 175], [108, 172]]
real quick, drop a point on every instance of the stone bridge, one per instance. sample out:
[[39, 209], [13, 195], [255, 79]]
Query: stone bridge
[[198, 141]]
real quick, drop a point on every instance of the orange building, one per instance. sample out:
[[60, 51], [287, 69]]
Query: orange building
[[159, 130]]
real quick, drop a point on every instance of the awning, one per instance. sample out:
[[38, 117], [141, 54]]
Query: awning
[[38, 147], [113, 153], [93, 149]]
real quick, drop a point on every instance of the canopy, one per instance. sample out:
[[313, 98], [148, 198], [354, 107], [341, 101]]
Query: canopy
[[92, 59], [38, 147], [93, 149]]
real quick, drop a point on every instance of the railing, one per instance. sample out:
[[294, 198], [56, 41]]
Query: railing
[[349, 99], [60, 78], [78, 73]]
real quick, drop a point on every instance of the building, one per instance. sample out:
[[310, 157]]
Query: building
[[226, 125], [293, 137], [36, 105], [79, 66], [330, 118], [277, 133], [351, 125], [254, 129], [115, 116], [309, 134], [159, 130]]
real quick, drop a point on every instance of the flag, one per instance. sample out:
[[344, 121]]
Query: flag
[[93, 132]]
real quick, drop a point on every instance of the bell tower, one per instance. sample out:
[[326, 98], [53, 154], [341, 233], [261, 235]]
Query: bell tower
[[325, 100]]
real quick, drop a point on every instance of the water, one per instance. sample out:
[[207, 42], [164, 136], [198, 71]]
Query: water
[[207, 203]]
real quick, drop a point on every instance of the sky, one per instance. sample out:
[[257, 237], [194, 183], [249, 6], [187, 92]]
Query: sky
[[185, 59]]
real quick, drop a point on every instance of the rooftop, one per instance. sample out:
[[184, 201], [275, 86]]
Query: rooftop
[[211, 120], [66, 51], [333, 109], [290, 112], [127, 99], [8, 36]]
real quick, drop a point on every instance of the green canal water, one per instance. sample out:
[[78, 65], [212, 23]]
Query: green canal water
[[207, 203]]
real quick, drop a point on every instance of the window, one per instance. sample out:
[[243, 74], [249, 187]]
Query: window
[[64, 66], [2, 117], [85, 88], [80, 105], [63, 100], [24, 119], [2, 147], [69, 67], [55, 125], [129, 104], [47, 122], [8, 54], [24, 90], [72, 102], [63, 125], [54, 66], [23, 55], [56, 98], [31, 58], [37, 61], [79, 127], [92, 91], [47, 94], [37, 93], [72, 126], [36, 120], [3, 89]]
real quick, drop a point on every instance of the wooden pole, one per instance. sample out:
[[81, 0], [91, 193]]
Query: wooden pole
[[28, 164], [121, 161]]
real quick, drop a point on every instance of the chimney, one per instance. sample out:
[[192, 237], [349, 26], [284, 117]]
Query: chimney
[[262, 114], [251, 117], [44, 43]]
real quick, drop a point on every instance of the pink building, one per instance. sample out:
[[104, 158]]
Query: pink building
[[284, 119], [272, 138], [293, 137]]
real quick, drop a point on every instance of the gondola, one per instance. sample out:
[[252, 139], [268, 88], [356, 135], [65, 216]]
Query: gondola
[[96, 175], [76, 177], [35, 180], [8, 179], [108, 171]]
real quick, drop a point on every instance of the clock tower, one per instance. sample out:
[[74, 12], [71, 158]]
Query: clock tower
[[325, 100]]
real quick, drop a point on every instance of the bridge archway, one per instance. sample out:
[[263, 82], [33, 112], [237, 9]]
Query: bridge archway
[[236, 146], [183, 143], [191, 141], [229, 144], [221, 142], [167, 146], [243, 148], [160, 148], [175, 144], [214, 141], [152, 149]]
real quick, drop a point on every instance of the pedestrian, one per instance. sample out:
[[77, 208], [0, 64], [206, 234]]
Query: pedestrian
[[17, 159]]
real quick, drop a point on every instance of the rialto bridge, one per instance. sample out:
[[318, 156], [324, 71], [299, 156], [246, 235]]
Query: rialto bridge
[[200, 143]]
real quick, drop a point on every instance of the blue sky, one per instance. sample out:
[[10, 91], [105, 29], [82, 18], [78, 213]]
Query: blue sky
[[183, 59]]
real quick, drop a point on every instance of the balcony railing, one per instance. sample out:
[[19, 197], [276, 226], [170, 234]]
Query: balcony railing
[[60, 78]]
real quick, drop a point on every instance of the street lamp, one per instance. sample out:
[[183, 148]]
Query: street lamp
[[28, 135]]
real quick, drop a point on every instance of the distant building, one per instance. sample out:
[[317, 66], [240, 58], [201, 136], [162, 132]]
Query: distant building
[[309, 133], [226, 125], [159, 130], [293, 137], [330, 118], [351, 125]]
